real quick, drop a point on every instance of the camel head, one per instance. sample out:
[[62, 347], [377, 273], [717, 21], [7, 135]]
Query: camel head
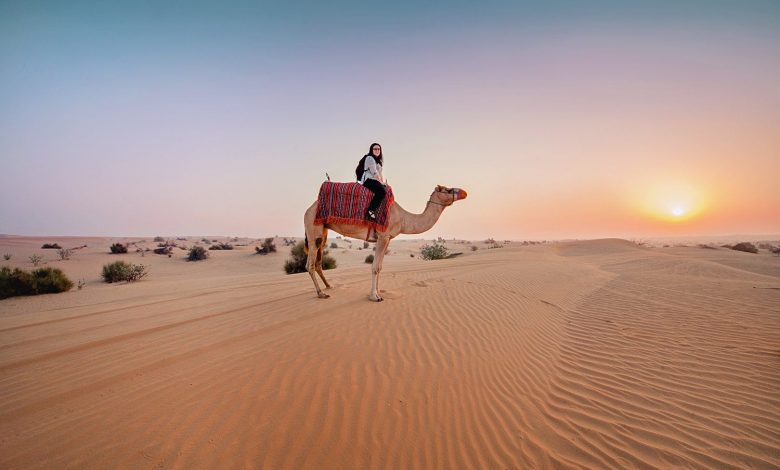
[[446, 196]]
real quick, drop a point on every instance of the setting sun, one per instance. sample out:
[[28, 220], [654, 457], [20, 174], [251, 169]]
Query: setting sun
[[673, 202]]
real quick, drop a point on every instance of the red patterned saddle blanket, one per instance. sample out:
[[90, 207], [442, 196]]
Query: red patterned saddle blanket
[[346, 203]]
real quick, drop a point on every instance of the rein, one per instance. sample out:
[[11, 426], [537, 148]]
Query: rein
[[431, 201]]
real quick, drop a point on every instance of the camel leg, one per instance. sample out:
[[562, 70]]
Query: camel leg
[[376, 267], [315, 245], [320, 256]]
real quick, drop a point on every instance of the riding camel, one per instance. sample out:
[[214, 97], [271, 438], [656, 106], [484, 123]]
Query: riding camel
[[399, 221]]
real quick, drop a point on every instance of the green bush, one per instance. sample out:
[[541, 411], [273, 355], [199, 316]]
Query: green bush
[[435, 251], [39, 281], [117, 248], [221, 246], [197, 253], [123, 271], [334, 245], [297, 264], [51, 246], [746, 247], [370, 259]]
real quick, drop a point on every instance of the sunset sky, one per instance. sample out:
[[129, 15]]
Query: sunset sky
[[571, 119]]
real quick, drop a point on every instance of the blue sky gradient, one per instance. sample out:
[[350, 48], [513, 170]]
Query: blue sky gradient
[[141, 118]]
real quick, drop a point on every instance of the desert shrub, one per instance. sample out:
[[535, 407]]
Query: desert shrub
[[50, 281], [64, 253], [159, 239], [123, 271], [50, 246], [328, 262], [163, 250], [268, 246], [435, 251], [116, 271], [35, 259], [297, 263], [39, 281], [334, 245], [365, 244], [776, 251], [490, 241], [7, 257], [370, 259], [181, 238], [117, 248], [746, 247], [137, 271], [197, 253], [474, 248], [221, 246]]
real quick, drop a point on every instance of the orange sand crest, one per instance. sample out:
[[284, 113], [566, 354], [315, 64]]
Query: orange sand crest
[[594, 354]]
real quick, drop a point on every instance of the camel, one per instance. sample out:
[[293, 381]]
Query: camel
[[399, 221]]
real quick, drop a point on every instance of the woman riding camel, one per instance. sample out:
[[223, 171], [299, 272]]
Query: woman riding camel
[[372, 179]]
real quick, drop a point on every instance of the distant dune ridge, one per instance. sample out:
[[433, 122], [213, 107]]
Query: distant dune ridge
[[595, 354]]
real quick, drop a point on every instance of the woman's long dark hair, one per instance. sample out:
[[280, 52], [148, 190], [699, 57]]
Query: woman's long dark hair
[[379, 158]]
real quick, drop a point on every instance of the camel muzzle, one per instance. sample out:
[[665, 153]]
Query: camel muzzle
[[461, 194]]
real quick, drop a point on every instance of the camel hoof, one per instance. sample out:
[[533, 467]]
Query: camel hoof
[[323, 295], [376, 299]]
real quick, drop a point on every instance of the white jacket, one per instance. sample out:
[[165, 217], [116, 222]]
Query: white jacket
[[373, 170]]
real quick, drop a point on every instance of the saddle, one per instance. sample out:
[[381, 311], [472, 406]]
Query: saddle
[[346, 203]]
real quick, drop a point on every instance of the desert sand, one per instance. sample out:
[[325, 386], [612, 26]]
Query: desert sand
[[583, 354]]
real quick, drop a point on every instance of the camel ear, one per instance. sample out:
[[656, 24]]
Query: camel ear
[[438, 187]]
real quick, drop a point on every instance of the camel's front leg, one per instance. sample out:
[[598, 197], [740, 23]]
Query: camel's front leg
[[376, 267]]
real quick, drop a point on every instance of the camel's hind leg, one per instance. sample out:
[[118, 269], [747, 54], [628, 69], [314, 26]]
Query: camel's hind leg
[[315, 251], [313, 243], [320, 256]]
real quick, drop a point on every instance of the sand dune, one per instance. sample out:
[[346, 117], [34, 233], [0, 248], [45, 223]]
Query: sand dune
[[596, 354]]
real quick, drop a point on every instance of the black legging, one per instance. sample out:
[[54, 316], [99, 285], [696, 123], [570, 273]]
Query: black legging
[[379, 193]]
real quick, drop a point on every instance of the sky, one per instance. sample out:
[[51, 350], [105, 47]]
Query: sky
[[561, 119]]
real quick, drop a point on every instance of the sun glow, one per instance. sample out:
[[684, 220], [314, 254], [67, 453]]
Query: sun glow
[[673, 202]]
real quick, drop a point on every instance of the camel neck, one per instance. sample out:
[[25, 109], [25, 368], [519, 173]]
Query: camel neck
[[419, 223]]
